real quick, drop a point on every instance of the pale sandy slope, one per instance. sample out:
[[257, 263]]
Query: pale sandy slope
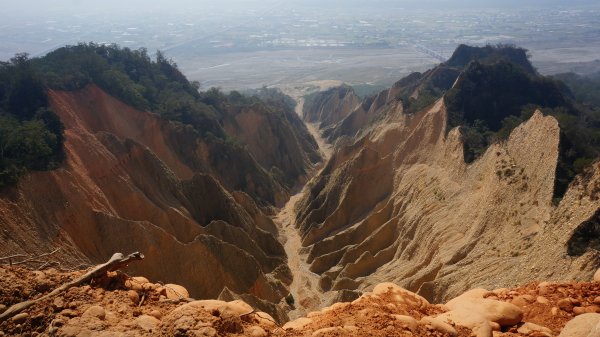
[[305, 287]]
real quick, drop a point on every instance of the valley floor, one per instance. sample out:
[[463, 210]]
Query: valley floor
[[305, 286]]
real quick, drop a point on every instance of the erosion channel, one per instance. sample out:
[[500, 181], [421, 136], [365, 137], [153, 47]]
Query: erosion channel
[[305, 289]]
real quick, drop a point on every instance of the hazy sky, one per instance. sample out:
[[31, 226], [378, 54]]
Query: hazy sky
[[42, 6]]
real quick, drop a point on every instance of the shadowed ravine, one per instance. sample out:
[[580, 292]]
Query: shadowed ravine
[[308, 296]]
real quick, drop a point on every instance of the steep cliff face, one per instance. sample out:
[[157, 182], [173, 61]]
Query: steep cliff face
[[179, 146], [354, 117], [133, 181], [278, 145], [400, 204], [329, 107]]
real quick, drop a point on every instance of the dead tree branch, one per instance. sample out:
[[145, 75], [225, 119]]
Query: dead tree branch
[[30, 258], [117, 261]]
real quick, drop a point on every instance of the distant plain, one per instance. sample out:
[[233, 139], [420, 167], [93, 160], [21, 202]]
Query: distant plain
[[278, 43]]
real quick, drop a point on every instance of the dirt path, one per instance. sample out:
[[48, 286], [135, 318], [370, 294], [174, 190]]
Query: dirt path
[[305, 287]]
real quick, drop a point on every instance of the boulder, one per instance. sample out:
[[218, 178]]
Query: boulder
[[473, 320], [399, 295], [503, 313], [581, 326]]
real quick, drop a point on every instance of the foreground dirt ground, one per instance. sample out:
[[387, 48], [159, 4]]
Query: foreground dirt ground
[[118, 305]]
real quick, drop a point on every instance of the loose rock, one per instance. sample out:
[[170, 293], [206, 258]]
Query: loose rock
[[147, 323], [20, 318], [95, 311]]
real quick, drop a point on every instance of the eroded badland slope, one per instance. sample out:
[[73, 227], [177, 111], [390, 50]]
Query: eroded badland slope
[[125, 185], [399, 201]]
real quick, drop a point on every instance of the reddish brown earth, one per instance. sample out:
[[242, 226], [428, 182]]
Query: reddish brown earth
[[198, 208], [117, 305]]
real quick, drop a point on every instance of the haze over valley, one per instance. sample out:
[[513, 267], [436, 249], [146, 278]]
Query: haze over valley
[[247, 44]]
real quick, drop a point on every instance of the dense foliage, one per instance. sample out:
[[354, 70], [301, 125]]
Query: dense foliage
[[463, 55], [31, 135], [132, 76], [365, 90], [586, 89]]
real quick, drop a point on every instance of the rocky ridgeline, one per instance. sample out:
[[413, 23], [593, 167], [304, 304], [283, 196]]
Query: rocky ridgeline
[[119, 305]]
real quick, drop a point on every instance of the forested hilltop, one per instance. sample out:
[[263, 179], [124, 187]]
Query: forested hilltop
[[499, 89], [32, 135], [490, 90]]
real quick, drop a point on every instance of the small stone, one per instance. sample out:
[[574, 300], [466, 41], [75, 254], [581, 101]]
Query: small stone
[[2, 307], [592, 309], [597, 276], [597, 300], [542, 300], [20, 318], [565, 304], [68, 313], [554, 311], [173, 291], [578, 310], [133, 296], [58, 303], [255, 331], [544, 290], [156, 313], [147, 323], [150, 286], [95, 311], [407, 321], [136, 283], [528, 298], [530, 328], [439, 325]]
